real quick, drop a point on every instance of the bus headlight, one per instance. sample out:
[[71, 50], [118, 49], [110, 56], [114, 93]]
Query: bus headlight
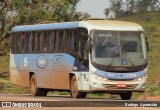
[[98, 77], [141, 78]]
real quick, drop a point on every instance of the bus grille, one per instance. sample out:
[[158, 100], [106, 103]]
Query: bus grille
[[113, 86], [121, 79]]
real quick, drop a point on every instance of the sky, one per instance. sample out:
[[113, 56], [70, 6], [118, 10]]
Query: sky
[[94, 7]]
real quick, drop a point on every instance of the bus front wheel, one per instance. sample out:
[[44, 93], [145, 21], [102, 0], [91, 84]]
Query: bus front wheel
[[126, 96], [34, 90], [74, 89]]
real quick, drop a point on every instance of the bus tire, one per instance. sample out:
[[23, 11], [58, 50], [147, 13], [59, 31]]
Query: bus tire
[[33, 87], [43, 92], [126, 96], [74, 89], [83, 94]]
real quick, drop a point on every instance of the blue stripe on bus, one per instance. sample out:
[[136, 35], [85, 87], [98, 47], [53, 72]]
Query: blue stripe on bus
[[53, 61], [51, 26], [112, 75]]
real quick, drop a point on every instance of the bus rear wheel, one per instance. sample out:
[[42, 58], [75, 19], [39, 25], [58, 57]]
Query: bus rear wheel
[[33, 87], [126, 96], [74, 89]]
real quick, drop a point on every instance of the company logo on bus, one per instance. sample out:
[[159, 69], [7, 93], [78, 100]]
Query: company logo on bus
[[42, 62], [124, 62], [25, 62]]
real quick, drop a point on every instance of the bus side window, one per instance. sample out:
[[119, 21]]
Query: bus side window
[[63, 41], [80, 47], [60, 41], [35, 41], [67, 42], [44, 41], [56, 41], [16, 42], [76, 45], [32, 41], [82, 39], [50, 41], [72, 41], [22, 40], [38, 42], [53, 41], [27, 42]]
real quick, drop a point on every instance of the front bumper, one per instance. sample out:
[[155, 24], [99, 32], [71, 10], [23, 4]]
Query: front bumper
[[112, 86]]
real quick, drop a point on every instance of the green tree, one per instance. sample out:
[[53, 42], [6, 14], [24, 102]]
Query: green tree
[[35, 11], [80, 16], [117, 8], [106, 12], [146, 5], [4, 17], [22, 12], [132, 5]]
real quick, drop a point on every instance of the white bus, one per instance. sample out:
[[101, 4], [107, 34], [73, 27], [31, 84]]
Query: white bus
[[84, 56]]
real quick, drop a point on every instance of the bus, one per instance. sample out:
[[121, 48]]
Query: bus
[[80, 57]]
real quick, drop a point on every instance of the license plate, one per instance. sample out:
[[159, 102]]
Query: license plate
[[121, 86]]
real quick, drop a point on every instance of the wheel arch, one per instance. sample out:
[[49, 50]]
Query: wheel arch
[[30, 75], [71, 75], [78, 78]]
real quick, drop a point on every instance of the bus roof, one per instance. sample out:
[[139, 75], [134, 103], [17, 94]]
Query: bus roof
[[111, 25], [50, 26], [89, 24]]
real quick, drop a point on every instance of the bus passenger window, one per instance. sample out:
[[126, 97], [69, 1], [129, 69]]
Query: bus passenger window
[[82, 40], [27, 42], [72, 35], [60, 41], [56, 40], [63, 41], [32, 42], [38, 42], [45, 41], [50, 41], [81, 48], [79, 45], [22, 42], [76, 48], [16, 42], [71, 41], [67, 42]]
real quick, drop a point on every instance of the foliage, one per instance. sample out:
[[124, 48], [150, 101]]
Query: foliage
[[123, 8], [45, 10], [107, 11], [8, 88], [154, 89], [22, 12], [151, 29]]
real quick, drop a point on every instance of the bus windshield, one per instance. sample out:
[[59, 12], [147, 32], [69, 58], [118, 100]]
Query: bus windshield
[[120, 49]]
